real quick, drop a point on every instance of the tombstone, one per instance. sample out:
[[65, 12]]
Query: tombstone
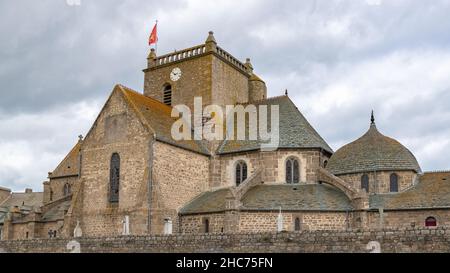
[[374, 247], [74, 247], [126, 225], [280, 222], [167, 226], [77, 232]]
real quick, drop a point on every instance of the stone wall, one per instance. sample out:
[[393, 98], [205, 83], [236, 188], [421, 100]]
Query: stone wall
[[54, 189], [116, 130], [390, 241], [195, 224], [379, 182], [271, 163], [256, 222], [178, 177], [229, 85], [195, 81], [408, 218]]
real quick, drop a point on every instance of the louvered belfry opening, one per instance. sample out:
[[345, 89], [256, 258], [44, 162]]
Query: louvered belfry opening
[[167, 95]]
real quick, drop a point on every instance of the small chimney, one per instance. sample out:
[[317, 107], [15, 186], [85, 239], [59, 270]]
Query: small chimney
[[28, 190]]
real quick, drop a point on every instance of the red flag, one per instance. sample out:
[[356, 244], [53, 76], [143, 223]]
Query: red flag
[[154, 35]]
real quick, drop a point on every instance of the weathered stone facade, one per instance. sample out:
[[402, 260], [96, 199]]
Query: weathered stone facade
[[189, 187], [379, 181], [349, 241]]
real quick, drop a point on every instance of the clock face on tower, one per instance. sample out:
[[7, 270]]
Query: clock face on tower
[[175, 75]]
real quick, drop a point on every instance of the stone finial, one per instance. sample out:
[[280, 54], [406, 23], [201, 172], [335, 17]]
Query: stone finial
[[211, 44], [286, 93], [80, 138], [152, 54], [249, 66], [151, 59], [372, 119], [211, 38]]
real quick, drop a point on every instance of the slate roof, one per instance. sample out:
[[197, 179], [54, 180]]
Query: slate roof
[[271, 197], [314, 197], [372, 152], [57, 213], [295, 130], [157, 116], [431, 192], [33, 199], [207, 202]]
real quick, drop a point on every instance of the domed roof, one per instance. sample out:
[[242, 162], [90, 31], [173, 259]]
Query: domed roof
[[372, 152]]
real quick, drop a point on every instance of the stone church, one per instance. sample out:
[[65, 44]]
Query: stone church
[[129, 176]]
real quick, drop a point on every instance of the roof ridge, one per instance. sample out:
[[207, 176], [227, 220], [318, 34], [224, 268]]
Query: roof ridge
[[127, 89]]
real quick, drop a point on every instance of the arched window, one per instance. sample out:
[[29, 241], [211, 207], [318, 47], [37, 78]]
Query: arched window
[[292, 171], [167, 95], [393, 186], [297, 226], [430, 222], [365, 182], [67, 189], [325, 163], [241, 172], [51, 195], [114, 178]]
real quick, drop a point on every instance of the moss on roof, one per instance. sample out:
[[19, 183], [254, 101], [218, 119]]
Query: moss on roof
[[158, 116], [372, 152], [431, 192]]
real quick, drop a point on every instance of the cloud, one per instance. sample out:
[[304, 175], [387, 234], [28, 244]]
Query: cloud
[[338, 58]]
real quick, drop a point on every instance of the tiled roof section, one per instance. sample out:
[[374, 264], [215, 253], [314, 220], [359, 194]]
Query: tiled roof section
[[33, 199], [272, 197], [295, 130], [372, 152], [158, 116], [213, 201], [57, 213], [70, 164], [312, 197], [432, 191]]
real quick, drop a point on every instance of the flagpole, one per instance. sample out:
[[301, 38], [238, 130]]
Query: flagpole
[[156, 44]]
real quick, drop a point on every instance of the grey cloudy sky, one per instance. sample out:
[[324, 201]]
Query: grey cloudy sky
[[339, 59]]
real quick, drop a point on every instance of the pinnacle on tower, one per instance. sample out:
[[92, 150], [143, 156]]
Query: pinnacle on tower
[[211, 43], [249, 66]]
